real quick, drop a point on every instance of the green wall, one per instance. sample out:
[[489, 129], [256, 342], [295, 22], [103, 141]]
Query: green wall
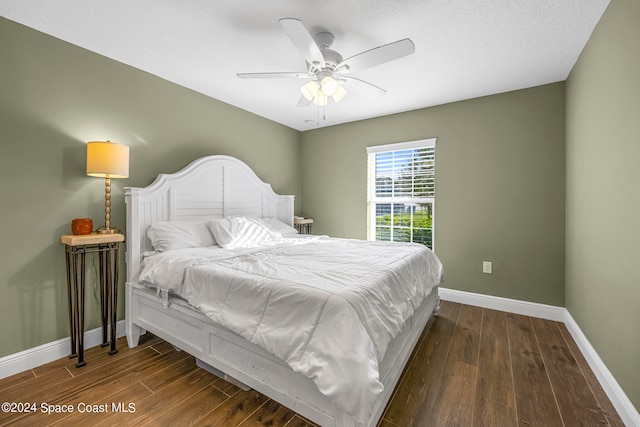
[[53, 98], [499, 187], [603, 193]]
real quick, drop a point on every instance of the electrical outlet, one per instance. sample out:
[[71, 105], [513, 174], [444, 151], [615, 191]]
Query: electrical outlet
[[487, 267]]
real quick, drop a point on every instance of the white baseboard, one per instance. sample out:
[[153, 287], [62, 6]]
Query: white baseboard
[[542, 311], [45, 353], [627, 412]]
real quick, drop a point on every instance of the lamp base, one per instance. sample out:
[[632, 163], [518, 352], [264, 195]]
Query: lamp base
[[108, 231]]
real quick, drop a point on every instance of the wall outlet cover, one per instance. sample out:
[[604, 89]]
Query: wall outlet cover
[[487, 267]]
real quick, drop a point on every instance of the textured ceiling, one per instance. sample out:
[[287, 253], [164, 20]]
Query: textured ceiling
[[464, 48]]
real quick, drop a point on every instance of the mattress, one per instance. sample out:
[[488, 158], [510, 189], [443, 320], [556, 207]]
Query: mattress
[[327, 307]]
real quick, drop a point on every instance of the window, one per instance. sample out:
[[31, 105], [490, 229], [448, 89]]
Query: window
[[401, 191]]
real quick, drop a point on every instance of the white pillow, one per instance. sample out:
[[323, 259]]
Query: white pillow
[[279, 226], [221, 229], [239, 232], [169, 235]]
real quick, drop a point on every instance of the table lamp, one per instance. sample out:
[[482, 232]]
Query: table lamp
[[107, 160]]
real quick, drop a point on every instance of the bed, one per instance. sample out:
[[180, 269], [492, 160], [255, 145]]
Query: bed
[[268, 309]]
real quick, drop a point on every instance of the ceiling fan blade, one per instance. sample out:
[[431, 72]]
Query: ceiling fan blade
[[276, 75], [303, 102], [301, 38], [378, 55], [362, 88]]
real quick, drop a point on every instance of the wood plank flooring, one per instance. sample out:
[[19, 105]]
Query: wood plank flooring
[[472, 367]]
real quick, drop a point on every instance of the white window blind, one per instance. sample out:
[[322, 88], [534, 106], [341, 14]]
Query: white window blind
[[401, 191]]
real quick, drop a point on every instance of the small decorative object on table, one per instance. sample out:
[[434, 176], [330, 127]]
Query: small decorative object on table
[[80, 226], [303, 225]]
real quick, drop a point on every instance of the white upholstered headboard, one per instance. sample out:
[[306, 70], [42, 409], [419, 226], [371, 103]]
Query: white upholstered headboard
[[210, 187]]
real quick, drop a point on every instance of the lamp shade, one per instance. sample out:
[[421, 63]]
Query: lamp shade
[[107, 160]]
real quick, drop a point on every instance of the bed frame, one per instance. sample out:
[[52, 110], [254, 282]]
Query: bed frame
[[220, 186]]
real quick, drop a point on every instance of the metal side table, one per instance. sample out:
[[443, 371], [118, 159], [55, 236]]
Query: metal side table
[[303, 225], [107, 246]]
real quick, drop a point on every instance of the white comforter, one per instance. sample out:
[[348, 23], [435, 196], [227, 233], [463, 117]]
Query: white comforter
[[327, 307]]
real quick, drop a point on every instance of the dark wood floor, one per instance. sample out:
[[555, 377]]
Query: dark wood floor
[[472, 367]]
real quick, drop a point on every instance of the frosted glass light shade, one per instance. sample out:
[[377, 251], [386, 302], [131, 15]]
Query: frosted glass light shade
[[309, 90], [107, 160], [339, 94], [329, 85], [320, 99]]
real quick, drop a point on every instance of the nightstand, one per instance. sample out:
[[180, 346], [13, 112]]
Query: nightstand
[[107, 246], [303, 225]]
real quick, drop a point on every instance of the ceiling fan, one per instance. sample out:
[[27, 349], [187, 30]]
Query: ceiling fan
[[328, 71]]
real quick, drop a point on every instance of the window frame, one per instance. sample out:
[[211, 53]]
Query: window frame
[[373, 200]]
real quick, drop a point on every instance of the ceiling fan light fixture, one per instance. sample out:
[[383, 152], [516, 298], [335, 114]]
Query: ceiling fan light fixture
[[320, 99], [310, 90], [329, 85], [339, 94]]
